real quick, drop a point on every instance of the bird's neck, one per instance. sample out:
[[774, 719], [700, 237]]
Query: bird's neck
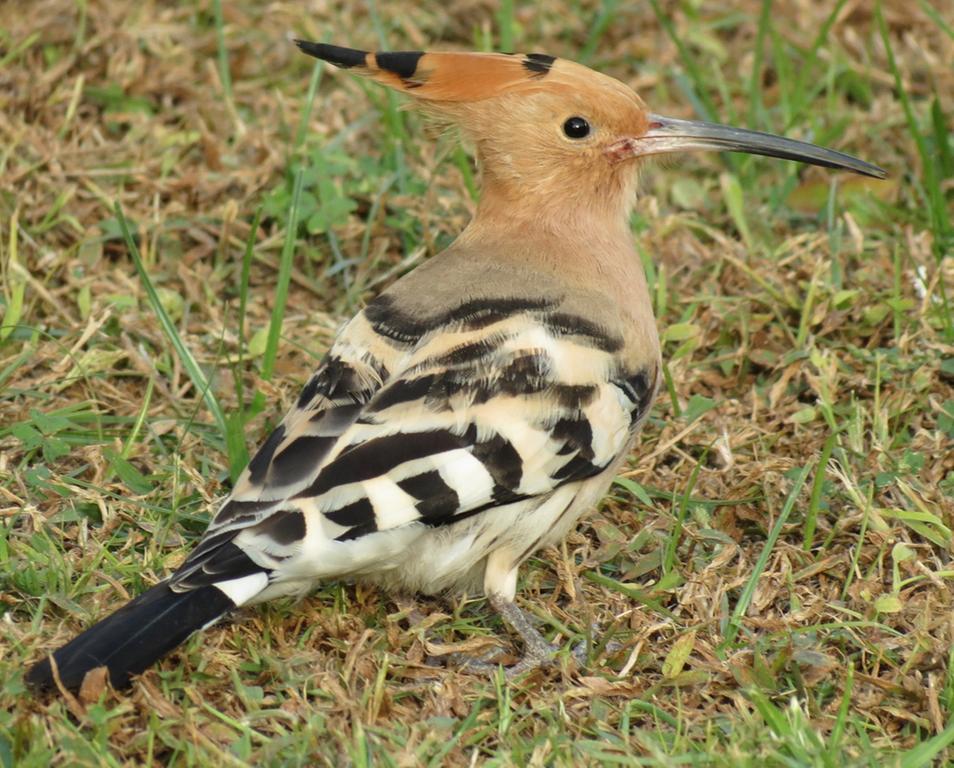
[[583, 245], [564, 216]]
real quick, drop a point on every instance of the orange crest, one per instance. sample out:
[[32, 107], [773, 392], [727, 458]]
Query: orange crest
[[441, 76]]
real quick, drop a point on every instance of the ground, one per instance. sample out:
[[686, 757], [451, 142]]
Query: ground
[[769, 580]]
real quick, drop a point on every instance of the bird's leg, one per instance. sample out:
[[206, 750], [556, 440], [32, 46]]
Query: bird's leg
[[500, 586], [537, 651]]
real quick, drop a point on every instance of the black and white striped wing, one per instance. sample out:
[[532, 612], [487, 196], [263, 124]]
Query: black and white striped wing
[[478, 421], [288, 461], [487, 408]]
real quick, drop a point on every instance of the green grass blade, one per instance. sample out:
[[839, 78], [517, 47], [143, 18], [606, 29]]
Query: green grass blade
[[506, 26], [235, 422], [925, 752], [818, 487], [284, 279], [305, 118], [941, 138], [688, 60], [222, 51], [602, 22], [130, 441], [633, 593], [756, 104], [247, 256], [192, 367], [806, 71], [745, 599], [672, 541], [938, 215], [936, 17], [838, 730], [14, 284]]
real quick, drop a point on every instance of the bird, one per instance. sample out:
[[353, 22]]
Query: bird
[[473, 411]]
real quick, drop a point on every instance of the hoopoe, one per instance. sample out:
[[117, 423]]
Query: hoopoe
[[474, 410]]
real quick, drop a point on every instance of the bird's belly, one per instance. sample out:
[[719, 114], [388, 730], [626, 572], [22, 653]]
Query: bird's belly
[[448, 559], [452, 559]]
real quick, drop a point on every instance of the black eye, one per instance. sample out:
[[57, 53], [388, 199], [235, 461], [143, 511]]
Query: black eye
[[576, 128]]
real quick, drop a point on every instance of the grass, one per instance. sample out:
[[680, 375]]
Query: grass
[[188, 207]]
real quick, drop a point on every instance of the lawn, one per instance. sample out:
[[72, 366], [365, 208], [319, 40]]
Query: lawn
[[189, 207]]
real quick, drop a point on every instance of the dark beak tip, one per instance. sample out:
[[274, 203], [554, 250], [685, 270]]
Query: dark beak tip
[[871, 171]]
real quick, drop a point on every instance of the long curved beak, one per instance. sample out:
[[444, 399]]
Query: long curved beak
[[668, 134]]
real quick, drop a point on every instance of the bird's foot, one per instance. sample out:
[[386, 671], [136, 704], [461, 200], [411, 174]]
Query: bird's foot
[[538, 652], [531, 660]]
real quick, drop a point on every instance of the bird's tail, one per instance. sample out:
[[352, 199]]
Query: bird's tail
[[131, 639]]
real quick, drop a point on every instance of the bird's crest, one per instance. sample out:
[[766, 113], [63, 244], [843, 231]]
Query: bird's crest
[[450, 77]]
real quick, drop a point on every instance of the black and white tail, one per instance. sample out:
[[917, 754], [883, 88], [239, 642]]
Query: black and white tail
[[131, 639]]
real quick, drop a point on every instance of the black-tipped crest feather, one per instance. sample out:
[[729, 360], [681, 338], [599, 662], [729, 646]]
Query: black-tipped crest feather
[[345, 58]]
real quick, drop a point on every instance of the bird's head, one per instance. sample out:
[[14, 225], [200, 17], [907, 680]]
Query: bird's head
[[552, 137]]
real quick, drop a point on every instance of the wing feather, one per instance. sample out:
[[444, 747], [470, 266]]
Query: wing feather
[[484, 406]]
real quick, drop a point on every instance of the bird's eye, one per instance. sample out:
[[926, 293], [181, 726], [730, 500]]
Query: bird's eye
[[576, 128]]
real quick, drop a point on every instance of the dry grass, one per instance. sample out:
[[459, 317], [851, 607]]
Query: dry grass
[[808, 337]]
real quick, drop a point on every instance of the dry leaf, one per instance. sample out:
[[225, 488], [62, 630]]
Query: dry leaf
[[94, 683], [473, 645]]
